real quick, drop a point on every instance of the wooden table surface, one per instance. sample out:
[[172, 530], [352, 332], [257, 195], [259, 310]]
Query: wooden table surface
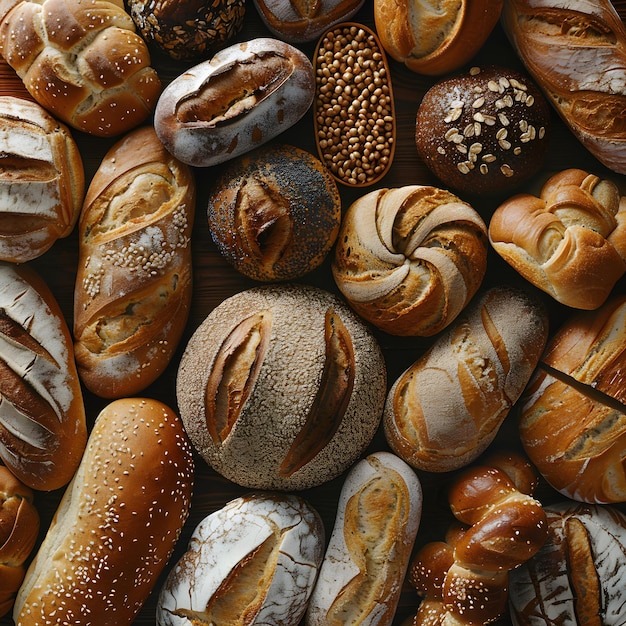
[[215, 280]]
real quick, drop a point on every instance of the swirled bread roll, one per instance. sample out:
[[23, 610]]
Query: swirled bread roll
[[42, 180], [570, 241], [82, 61], [409, 259], [133, 284], [576, 52]]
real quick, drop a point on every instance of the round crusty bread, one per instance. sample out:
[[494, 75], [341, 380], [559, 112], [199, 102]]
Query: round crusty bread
[[281, 387], [117, 523], [274, 213]]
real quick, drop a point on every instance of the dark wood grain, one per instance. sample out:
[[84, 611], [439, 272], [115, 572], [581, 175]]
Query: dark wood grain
[[215, 280]]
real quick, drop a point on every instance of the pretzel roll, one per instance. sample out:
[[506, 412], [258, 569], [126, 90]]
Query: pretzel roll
[[133, 284], [43, 427], [19, 527], [435, 38], [578, 576], [447, 407], [281, 387], [82, 61], [570, 241], [42, 180], [409, 259], [572, 418], [117, 523]]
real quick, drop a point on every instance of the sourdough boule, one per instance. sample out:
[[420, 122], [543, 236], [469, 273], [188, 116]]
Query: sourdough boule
[[281, 387]]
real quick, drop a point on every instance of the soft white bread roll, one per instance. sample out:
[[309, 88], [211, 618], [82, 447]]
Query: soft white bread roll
[[576, 52], [378, 515], [19, 528], [570, 241], [447, 407], [133, 283], [42, 181], [42, 416], [409, 259], [117, 523], [254, 561], [281, 387], [579, 575], [82, 61], [239, 99]]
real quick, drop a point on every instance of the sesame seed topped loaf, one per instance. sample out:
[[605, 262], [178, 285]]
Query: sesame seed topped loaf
[[484, 131], [81, 60]]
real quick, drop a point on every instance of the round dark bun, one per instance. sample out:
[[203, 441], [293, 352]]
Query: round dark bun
[[484, 131]]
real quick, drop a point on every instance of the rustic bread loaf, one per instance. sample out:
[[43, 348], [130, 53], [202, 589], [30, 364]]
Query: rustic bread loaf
[[378, 515], [19, 528], [447, 407], [281, 387], [484, 131], [239, 99], [42, 416], [117, 523], [570, 241], [409, 259], [254, 561], [42, 181], [435, 38], [274, 213], [133, 284], [576, 52], [82, 61]]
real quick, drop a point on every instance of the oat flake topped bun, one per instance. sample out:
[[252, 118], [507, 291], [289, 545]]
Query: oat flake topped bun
[[281, 387], [485, 131]]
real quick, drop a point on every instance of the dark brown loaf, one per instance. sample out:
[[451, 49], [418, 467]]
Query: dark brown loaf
[[117, 523], [133, 284], [42, 181], [576, 52], [239, 99], [83, 61], [42, 417]]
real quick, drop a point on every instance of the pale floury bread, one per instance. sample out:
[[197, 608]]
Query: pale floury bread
[[281, 387]]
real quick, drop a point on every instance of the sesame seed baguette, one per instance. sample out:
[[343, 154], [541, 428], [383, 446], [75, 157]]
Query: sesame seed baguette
[[117, 523], [133, 283]]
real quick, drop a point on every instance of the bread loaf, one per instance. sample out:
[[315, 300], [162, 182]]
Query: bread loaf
[[82, 61], [570, 241], [239, 99], [448, 406], [42, 181], [578, 575], [576, 52], [42, 417], [19, 528], [117, 523], [572, 419], [133, 284], [435, 38], [281, 387], [378, 515], [409, 259], [254, 561]]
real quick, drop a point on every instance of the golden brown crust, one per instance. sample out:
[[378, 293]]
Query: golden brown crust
[[133, 285]]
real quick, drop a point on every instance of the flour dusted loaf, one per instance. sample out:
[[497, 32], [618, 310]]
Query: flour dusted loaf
[[133, 284], [254, 561], [42, 416], [274, 213], [82, 61], [42, 181], [281, 387], [447, 407], [117, 523], [409, 259]]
